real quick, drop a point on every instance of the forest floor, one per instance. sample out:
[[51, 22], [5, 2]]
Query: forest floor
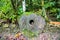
[[11, 28]]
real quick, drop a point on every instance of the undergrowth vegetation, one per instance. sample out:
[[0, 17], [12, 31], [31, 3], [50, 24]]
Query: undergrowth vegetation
[[12, 9]]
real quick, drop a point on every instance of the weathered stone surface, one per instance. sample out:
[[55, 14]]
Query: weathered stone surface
[[37, 24], [32, 22]]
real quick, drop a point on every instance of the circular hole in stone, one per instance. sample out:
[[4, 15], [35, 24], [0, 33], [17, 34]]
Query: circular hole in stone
[[31, 22]]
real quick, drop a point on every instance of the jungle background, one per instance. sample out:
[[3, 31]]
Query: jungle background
[[11, 10]]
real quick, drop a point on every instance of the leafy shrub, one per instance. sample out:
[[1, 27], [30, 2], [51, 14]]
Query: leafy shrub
[[7, 11]]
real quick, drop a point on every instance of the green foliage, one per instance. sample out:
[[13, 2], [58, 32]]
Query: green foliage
[[49, 6], [7, 11], [19, 10], [5, 6], [58, 17], [28, 33], [33, 5]]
